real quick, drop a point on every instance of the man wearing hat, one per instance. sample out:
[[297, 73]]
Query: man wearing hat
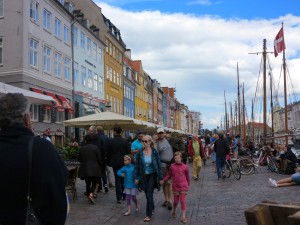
[[137, 144], [166, 155]]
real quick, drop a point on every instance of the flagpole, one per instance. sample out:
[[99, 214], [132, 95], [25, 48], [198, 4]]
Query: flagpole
[[285, 94]]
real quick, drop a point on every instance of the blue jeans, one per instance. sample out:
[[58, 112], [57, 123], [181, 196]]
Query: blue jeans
[[150, 183], [119, 183], [220, 165]]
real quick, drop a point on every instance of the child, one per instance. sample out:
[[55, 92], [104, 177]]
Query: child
[[130, 187], [179, 173]]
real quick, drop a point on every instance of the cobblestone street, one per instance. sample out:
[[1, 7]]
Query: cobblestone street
[[210, 201]]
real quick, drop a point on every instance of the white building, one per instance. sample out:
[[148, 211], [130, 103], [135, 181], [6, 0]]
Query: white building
[[35, 54]]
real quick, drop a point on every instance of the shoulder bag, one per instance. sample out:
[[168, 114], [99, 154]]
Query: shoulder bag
[[31, 218]]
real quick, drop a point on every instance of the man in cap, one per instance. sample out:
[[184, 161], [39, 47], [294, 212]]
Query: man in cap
[[166, 155]]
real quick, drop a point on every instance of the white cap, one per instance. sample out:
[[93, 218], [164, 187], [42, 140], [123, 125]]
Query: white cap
[[160, 130]]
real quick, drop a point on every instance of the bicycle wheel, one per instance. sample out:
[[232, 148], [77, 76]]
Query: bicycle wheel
[[236, 171], [271, 164], [246, 166], [227, 170]]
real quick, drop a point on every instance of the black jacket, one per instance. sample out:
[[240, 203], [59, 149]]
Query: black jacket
[[118, 149], [289, 155], [221, 147], [90, 161], [49, 178]]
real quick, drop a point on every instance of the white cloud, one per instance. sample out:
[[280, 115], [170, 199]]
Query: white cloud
[[200, 2], [199, 54]]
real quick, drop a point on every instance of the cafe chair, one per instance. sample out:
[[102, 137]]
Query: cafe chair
[[71, 185]]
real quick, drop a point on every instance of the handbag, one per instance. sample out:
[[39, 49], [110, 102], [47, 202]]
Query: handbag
[[31, 218]]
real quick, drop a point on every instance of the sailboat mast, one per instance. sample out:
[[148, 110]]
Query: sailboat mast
[[226, 116], [253, 138], [271, 92], [244, 118], [285, 96], [265, 90], [239, 99]]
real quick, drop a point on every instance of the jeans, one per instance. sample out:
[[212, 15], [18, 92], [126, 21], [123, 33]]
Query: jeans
[[119, 183], [150, 183], [220, 165]]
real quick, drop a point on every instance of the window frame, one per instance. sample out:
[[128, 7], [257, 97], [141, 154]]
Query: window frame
[[1, 8], [83, 76], [46, 20], [47, 116], [47, 59], [67, 68], [57, 28], [58, 64], [34, 10], [33, 53], [66, 34]]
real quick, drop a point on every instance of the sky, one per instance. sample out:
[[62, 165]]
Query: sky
[[196, 45]]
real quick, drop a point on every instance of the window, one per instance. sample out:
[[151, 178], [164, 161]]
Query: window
[[47, 115], [107, 72], [118, 79], [46, 59], [95, 51], [1, 8], [59, 117], [47, 19], [83, 76], [110, 48], [106, 43], [67, 68], [57, 31], [90, 79], [33, 10], [66, 34], [114, 52], [82, 40], [34, 111], [75, 35], [100, 85], [114, 77], [33, 53], [95, 82], [76, 72], [57, 64], [89, 46], [99, 55], [62, 1], [1, 50]]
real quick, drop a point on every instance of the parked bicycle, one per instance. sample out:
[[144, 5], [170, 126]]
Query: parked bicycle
[[232, 167], [250, 163]]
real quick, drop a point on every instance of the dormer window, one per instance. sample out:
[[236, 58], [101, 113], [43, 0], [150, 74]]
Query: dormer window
[[62, 1]]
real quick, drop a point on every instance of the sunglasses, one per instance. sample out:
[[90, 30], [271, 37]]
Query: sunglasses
[[160, 132], [145, 141]]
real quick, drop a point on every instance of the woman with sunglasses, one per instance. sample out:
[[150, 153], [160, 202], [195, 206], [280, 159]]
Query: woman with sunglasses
[[147, 173]]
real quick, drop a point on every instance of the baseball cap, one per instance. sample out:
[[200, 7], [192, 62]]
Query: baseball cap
[[160, 130]]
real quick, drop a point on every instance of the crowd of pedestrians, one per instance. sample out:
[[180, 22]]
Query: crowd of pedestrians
[[141, 165]]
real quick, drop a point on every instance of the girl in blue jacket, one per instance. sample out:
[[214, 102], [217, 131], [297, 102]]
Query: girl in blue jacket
[[131, 188]]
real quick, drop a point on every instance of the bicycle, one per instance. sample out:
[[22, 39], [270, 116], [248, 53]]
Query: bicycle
[[232, 166], [249, 164]]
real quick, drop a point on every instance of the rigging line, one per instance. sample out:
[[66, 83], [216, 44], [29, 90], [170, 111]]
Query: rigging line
[[261, 61], [275, 95], [291, 83]]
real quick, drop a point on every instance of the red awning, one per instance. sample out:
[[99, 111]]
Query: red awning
[[59, 106], [66, 103], [37, 90]]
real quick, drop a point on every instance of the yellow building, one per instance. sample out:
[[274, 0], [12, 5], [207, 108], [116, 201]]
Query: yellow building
[[113, 70], [141, 94]]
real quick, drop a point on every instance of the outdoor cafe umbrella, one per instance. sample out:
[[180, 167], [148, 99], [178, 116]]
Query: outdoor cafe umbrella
[[107, 120], [34, 98]]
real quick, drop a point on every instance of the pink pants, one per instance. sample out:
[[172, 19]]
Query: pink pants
[[182, 198]]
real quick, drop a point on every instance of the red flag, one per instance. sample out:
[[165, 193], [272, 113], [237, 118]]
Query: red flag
[[279, 43]]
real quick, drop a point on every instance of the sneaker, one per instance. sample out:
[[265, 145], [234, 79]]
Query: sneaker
[[272, 182], [106, 189]]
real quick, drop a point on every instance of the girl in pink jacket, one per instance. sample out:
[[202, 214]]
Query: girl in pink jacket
[[179, 172]]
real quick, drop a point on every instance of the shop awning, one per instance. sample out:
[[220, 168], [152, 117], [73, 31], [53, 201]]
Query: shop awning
[[66, 103], [37, 90], [35, 98], [58, 105]]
